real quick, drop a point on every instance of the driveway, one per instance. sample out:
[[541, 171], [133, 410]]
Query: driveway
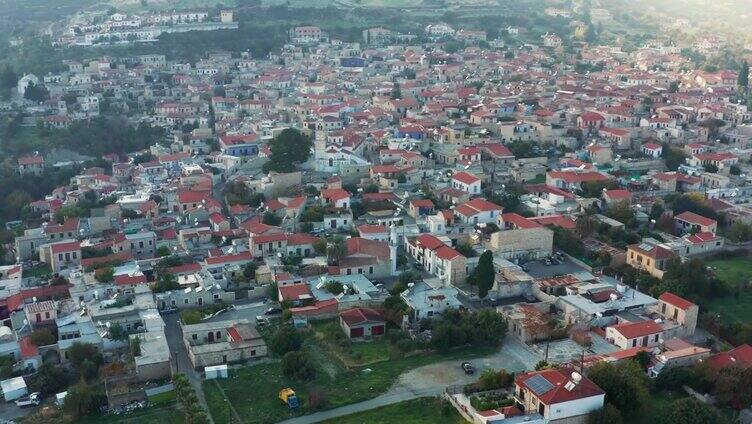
[[431, 380]]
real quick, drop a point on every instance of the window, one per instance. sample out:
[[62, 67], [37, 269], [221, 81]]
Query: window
[[195, 337]]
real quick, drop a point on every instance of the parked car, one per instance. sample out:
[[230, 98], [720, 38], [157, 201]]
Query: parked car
[[273, 311], [261, 321], [547, 262], [468, 368], [33, 399]]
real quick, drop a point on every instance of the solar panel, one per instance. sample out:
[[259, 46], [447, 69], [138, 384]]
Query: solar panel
[[646, 247], [539, 385]]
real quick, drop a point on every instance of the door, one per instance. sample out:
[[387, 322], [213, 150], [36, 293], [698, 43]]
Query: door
[[645, 341], [377, 330], [356, 332], [211, 336]]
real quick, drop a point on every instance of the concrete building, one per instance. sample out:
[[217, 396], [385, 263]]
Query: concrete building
[[559, 395], [519, 237], [674, 308], [362, 323], [634, 334], [649, 257], [222, 342]]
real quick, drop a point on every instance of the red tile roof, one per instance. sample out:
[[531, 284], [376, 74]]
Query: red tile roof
[[127, 280], [675, 300], [379, 249], [372, 229], [238, 257], [556, 220], [559, 378], [428, 241], [447, 253], [633, 330], [335, 194], [66, 247], [701, 237], [465, 178], [519, 221], [619, 194], [740, 356], [694, 218], [359, 316], [578, 177], [295, 291], [28, 349], [298, 239]]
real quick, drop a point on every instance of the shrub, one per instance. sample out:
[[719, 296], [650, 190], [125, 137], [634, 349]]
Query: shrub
[[298, 366], [286, 340]]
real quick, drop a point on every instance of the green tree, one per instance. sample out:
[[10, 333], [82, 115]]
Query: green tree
[[105, 275], [606, 415], [117, 332], [298, 366], [163, 251], [622, 212], [334, 287], [466, 250], [166, 282], [739, 232], [336, 250], [249, 271], [271, 219], [625, 385], [16, 200], [396, 92], [43, 337], [689, 411], [285, 340], [672, 157], [49, 379], [485, 274], [79, 400], [8, 81], [743, 79], [289, 149], [36, 93]]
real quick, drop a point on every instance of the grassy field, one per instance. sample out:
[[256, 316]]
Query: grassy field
[[417, 411], [659, 402], [353, 354], [733, 309], [165, 414], [333, 381], [734, 271]]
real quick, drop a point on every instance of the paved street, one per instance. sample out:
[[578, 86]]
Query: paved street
[[180, 360], [431, 380], [9, 411]]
